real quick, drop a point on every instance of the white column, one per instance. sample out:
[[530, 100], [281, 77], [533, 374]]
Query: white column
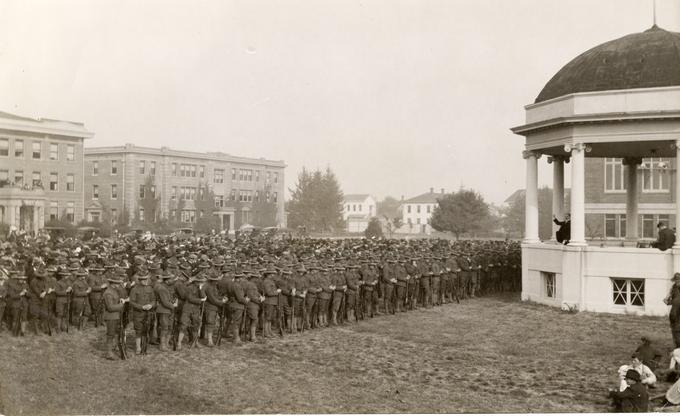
[[558, 191], [631, 167], [677, 192], [531, 207], [578, 220]]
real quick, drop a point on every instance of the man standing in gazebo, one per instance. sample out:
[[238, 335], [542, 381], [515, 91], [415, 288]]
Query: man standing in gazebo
[[563, 235]]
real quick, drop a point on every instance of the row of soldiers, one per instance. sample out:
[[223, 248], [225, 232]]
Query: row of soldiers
[[219, 287]]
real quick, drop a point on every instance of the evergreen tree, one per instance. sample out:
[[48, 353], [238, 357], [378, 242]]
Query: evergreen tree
[[316, 202]]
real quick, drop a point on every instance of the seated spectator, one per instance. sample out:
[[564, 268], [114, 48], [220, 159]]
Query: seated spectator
[[563, 235], [649, 355], [634, 397], [647, 376], [675, 360], [666, 237], [673, 394]]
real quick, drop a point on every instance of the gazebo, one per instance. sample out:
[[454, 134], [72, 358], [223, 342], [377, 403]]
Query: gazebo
[[619, 99]]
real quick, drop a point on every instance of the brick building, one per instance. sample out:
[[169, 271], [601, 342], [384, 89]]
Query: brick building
[[605, 194], [120, 179], [41, 171]]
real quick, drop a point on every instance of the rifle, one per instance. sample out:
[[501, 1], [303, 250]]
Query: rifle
[[80, 316], [99, 310], [200, 324], [150, 319], [279, 312], [49, 317], [175, 330], [17, 319], [122, 340], [357, 293], [69, 297], [223, 316], [406, 298], [292, 313], [304, 314]]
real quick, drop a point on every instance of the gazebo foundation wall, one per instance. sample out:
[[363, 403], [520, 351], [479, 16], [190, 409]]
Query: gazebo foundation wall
[[583, 276]]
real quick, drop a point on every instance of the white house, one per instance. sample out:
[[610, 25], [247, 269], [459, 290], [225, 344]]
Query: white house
[[357, 211], [416, 212]]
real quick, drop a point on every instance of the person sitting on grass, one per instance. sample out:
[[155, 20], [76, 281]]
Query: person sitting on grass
[[647, 376], [634, 398], [649, 355]]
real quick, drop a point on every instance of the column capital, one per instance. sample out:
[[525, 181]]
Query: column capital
[[631, 161], [558, 158], [526, 154], [578, 147]]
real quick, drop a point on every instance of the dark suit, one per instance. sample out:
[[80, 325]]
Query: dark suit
[[633, 399], [564, 233], [665, 240]]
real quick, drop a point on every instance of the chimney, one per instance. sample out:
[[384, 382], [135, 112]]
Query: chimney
[[431, 190], [442, 191]]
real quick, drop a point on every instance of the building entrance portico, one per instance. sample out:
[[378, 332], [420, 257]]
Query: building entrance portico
[[226, 217], [23, 208]]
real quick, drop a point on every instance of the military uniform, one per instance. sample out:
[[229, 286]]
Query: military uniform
[[79, 304], [143, 304], [213, 306], [165, 308], [113, 308], [17, 302], [191, 311], [237, 304]]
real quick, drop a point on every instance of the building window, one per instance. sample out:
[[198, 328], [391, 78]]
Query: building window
[[36, 150], [141, 214], [417, 220], [275, 197], [219, 201], [152, 168], [276, 177], [19, 149], [70, 182], [549, 284], [193, 171], [114, 216], [408, 209], [142, 167], [232, 195], [174, 169], [257, 176], [36, 182], [19, 177], [233, 174], [54, 151], [188, 215], [4, 177], [114, 191], [95, 192], [173, 193], [54, 181], [201, 171], [70, 152], [648, 225], [71, 212], [54, 211], [655, 177], [4, 147], [614, 178], [628, 292], [218, 176], [418, 209], [257, 196], [615, 225], [142, 193], [269, 177], [428, 208], [95, 168], [153, 191]]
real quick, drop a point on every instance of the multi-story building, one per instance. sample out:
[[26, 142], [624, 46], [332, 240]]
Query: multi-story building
[[358, 209], [41, 171], [605, 193], [416, 212], [244, 190]]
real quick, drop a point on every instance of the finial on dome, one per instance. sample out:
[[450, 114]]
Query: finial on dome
[[654, 13]]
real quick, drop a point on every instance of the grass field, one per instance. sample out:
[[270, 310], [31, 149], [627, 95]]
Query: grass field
[[484, 355]]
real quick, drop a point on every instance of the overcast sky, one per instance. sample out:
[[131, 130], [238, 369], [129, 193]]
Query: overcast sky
[[395, 96]]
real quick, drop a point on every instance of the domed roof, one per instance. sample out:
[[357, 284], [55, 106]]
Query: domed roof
[[639, 60]]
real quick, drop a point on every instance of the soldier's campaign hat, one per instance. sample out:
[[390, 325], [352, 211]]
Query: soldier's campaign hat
[[51, 269], [214, 276], [114, 278], [95, 268], [17, 274], [165, 275], [238, 274], [154, 267], [199, 278], [39, 272], [633, 375], [142, 276], [75, 265], [81, 272], [218, 261], [676, 277]]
